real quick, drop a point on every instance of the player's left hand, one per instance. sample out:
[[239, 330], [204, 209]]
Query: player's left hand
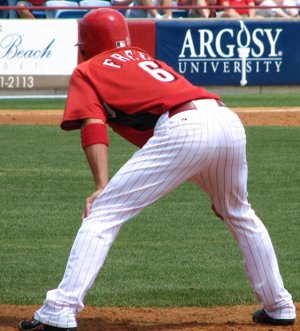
[[88, 203]]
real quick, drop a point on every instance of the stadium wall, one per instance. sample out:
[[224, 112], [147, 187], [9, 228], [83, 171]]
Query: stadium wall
[[237, 56]]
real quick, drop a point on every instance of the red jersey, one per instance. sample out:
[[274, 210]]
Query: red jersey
[[127, 89], [37, 2], [241, 11]]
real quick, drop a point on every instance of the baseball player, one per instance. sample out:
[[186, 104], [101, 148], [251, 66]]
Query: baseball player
[[184, 133]]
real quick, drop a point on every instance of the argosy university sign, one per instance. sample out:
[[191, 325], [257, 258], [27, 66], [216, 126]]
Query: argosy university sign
[[232, 52]]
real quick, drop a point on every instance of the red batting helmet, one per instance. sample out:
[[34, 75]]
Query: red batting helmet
[[100, 30]]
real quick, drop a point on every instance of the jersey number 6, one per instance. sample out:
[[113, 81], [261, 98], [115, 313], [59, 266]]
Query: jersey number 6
[[156, 71]]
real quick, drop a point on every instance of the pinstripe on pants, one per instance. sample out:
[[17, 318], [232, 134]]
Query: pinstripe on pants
[[206, 146]]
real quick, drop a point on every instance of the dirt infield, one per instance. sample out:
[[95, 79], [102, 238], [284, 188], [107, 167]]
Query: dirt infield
[[249, 116], [235, 318], [228, 318]]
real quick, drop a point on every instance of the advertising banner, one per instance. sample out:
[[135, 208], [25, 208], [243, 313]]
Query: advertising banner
[[229, 52], [41, 54], [36, 53]]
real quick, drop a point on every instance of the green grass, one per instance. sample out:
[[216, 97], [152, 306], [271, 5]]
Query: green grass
[[250, 100], [263, 100], [32, 104], [175, 253]]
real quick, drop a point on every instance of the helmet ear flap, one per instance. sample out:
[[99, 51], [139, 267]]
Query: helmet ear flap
[[100, 30], [83, 54]]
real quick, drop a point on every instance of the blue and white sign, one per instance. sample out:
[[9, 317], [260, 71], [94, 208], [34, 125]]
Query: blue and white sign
[[231, 52], [38, 47]]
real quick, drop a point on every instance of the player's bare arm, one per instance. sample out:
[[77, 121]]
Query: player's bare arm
[[97, 157]]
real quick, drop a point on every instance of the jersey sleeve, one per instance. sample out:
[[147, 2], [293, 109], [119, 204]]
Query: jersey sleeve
[[82, 102]]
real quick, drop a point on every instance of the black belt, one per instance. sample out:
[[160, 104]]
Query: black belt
[[188, 106]]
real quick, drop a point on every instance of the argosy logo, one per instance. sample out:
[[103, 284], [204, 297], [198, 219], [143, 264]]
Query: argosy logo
[[230, 52]]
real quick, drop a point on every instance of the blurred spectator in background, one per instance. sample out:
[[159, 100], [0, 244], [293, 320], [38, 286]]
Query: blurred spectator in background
[[124, 3], [294, 12], [158, 13], [238, 12], [275, 8], [147, 12], [201, 11], [24, 13], [130, 13]]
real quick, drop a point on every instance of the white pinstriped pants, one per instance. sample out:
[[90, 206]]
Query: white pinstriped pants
[[206, 145]]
